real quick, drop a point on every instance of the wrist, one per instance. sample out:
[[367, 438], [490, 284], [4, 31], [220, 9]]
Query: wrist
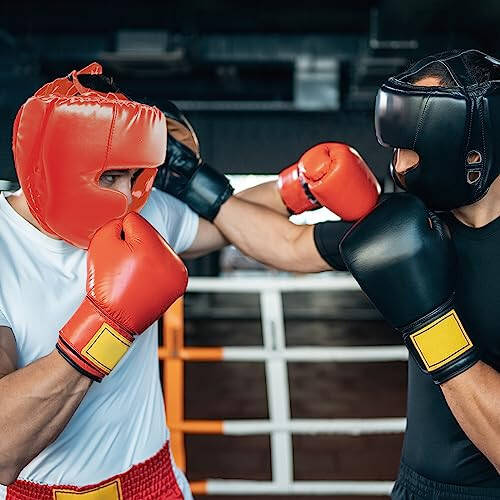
[[66, 372], [277, 200], [266, 194], [472, 378], [294, 192]]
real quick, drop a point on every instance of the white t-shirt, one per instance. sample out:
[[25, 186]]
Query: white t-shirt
[[120, 421]]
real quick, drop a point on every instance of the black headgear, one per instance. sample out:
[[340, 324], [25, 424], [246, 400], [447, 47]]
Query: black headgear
[[445, 126]]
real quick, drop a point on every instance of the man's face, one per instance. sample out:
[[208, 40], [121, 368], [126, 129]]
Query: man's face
[[120, 180]]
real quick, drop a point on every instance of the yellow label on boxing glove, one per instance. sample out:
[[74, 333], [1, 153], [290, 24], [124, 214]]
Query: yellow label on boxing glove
[[106, 348], [441, 341]]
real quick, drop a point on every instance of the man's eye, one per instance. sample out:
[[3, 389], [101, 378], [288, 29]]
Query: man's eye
[[108, 179]]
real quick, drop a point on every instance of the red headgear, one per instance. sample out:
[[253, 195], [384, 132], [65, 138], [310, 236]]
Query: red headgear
[[66, 136]]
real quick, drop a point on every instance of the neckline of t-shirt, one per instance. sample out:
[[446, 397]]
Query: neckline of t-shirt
[[475, 233], [59, 246]]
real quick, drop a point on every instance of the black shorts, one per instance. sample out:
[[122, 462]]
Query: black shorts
[[413, 486]]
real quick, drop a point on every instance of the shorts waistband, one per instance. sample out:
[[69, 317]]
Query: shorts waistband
[[428, 488], [153, 478]]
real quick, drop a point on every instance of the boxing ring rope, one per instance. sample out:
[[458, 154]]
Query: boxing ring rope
[[275, 354]]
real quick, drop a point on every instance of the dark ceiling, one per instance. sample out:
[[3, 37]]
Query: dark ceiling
[[475, 22], [194, 16], [215, 56]]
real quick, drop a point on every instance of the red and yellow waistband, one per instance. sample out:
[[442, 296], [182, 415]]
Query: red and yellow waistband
[[152, 479]]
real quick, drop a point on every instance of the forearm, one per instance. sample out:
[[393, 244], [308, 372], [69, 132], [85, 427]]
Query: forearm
[[474, 398], [269, 237], [267, 195], [37, 402]]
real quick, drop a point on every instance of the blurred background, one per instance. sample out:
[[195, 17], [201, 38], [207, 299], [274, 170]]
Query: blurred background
[[280, 75], [261, 82]]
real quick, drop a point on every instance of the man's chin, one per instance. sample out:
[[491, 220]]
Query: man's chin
[[401, 179]]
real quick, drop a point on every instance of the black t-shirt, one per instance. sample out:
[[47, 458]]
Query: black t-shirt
[[435, 445], [327, 236]]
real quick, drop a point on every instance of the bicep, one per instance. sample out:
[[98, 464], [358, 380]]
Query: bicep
[[208, 238], [8, 353], [308, 258]]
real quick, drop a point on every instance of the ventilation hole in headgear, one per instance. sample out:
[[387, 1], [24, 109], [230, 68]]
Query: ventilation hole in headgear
[[473, 176], [473, 157]]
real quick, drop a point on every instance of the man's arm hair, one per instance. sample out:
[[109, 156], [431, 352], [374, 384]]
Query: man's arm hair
[[208, 239], [474, 399], [257, 223], [269, 237], [36, 403], [267, 195]]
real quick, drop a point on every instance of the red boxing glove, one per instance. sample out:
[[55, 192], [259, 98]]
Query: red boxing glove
[[133, 277], [333, 175]]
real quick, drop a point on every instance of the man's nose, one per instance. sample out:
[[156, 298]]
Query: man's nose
[[123, 186], [404, 159]]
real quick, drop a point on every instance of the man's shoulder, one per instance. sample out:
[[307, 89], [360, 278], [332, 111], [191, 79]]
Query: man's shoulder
[[158, 197], [172, 218], [163, 205]]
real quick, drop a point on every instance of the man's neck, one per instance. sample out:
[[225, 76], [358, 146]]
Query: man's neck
[[482, 212], [18, 202]]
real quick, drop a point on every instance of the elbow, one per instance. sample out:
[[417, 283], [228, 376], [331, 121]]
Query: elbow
[[495, 461], [9, 469], [8, 475], [494, 458]]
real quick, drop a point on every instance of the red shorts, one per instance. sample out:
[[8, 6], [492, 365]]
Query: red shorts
[[153, 479]]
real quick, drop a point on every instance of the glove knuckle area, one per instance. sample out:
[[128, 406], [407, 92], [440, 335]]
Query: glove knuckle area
[[179, 128], [316, 163], [395, 244], [136, 229]]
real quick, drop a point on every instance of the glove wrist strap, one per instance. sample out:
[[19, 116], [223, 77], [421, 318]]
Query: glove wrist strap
[[207, 190], [440, 343], [93, 341], [294, 191]]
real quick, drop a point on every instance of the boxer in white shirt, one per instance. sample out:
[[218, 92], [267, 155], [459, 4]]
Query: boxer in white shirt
[[83, 272]]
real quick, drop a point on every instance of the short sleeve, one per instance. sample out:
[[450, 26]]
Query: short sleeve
[[327, 236], [172, 218], [3, 320]]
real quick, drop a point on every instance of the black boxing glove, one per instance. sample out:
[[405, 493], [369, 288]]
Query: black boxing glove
[[184, 174], [402, 256]]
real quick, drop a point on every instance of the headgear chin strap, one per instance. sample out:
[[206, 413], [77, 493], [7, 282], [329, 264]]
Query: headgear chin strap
[[66, 136], [455, 130]]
